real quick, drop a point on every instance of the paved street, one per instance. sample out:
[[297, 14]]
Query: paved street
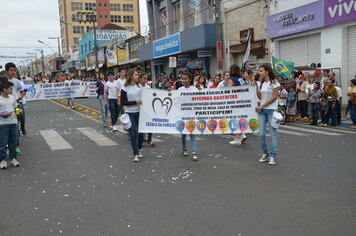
[[77, 178]]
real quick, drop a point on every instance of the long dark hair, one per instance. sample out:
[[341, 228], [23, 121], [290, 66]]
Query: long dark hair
[[271, 74], [190, 76], [129, 77], [353, 81], [235, 70]]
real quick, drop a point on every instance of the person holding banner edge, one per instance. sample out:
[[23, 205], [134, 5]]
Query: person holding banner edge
[[131, 98], [188, 80], [267, 92]]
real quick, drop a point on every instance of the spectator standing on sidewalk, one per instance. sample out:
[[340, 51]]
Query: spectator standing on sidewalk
[[331, 96], [338, 104], [314, 99], [302, 104], [351, 92]]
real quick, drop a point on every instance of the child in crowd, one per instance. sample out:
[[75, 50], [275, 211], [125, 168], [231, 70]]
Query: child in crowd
[[291, 104], [8, 125], [324, 107], [282, 96], [188, 80]]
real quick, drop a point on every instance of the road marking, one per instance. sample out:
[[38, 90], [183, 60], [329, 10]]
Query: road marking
[[188, 136], [291, 132], [98, 138], [332, 130], [55, 140], [311, 130]]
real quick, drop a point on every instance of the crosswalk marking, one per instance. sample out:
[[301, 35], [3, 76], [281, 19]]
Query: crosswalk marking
[[333, 130], [55, 140], [98, 138], [291, 132], [311, 130]]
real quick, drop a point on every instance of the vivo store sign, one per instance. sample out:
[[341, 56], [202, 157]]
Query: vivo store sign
[[167, 46], [311, 16]]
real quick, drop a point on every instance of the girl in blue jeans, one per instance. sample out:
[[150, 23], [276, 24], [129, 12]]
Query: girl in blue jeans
[[131, 98], [267, 92]]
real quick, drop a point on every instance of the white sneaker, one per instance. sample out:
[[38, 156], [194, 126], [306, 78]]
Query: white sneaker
[[184, 152], [264, 158], [114, 128], [236, 141], [194, 156], [272, 161], [15, 163], [140, 153], [136, 159], [3, 165], [243, 138]]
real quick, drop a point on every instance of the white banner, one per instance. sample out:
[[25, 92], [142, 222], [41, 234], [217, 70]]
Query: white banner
[[209, 111], [44, 91]]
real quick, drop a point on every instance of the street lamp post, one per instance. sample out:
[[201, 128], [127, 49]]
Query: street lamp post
[[33, 71], [59, 45]]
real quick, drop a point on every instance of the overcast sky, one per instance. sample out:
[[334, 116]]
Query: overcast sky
[[24, 22]]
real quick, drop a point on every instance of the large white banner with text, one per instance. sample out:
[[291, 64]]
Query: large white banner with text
[[209, 111], [44, 91]]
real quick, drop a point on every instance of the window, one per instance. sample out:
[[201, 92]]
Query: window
[[127, 7], [91, 18], [77, 18], [78, 29], [89, 6], [114, 7], [115, 18], [76, 41], [77, 6], [128, 19]]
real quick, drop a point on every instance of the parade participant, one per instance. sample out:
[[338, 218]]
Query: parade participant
[[201, 83], [120, 84], [314, 99], [291, 104], [236, 80], [100, 84], [110, 98], [143, 84], [215, 82], [267, 92], [351, 92], [70, 101], [8, 125], [131, 98], [188, 81], [331, 96], [249, 77], [225, 79], [21, 105]]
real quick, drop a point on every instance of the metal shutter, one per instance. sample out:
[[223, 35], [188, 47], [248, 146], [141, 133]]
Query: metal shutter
[[293, 50], [351, 53], [313, 49]]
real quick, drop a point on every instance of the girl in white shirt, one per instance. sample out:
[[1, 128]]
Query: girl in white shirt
[[131, 98], [267, 92]]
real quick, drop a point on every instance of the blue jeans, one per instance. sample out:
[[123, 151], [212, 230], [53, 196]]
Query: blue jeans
[[331, 113], [136, 138], [8, 136], [265, 116], [314, 112], [104, 112], [114, 110], [193, 142], [353, 113], [70, 102]]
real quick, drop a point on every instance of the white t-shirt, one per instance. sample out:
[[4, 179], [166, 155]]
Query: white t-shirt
[[23, 86], [17, 87], [310, 87], [9, 105], [339, 91], [111, 87], [222, 84], [284, 94], [267, 93], [210, 84], [191, 88], [120, 83], [133, 94]]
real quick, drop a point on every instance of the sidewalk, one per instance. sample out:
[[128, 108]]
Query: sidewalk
[[345, 122]]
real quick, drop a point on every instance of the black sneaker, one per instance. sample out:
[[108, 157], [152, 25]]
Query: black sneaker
[[184, 152]]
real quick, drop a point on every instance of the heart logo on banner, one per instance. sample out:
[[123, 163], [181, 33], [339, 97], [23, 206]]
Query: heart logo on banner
[[162, 107]]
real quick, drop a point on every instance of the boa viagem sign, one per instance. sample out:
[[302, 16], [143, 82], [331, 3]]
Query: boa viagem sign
[[336, 11], [311, 16]]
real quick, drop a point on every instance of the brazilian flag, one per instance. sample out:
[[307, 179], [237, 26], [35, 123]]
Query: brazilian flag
[[282, 68]]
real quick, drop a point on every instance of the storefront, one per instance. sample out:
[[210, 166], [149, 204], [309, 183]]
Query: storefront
[[318, 32], [193, 48]]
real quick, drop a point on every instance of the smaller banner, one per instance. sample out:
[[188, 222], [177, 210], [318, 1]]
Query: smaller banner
[[282, 68], [209, 111], [60, 90]]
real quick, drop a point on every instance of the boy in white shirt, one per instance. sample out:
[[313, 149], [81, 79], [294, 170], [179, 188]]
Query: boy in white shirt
[[111, 99]]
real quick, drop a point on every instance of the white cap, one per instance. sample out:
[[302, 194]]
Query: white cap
[[125, 119], [276, 119]]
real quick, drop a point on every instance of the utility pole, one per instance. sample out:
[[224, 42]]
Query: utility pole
[[59, 45], [43, 65], [218, 34]]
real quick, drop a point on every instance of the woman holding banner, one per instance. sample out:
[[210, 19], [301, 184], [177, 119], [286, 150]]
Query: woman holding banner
[[131, 98], [267, 92]]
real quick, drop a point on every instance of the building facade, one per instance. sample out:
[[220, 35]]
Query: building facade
[[124, 13], [323, 31], [181, 29]]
